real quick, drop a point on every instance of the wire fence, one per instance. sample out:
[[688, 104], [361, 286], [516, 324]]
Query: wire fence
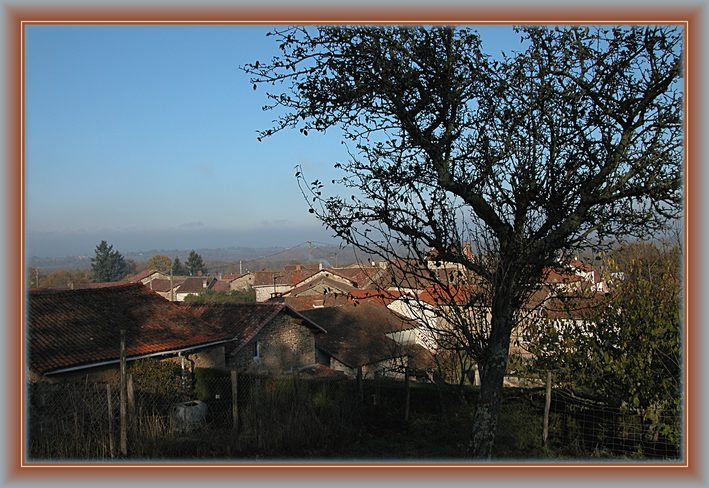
[[221, 414]]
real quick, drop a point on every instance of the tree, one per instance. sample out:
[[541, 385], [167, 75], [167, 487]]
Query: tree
[[63, 278], [159, 263], [178, 268], [107, 264], [574, 140], [629, 352], [195, 264]]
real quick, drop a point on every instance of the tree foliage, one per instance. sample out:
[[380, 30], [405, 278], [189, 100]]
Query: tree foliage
[[107, 264], [159, 263], [629, 352], [195, 264], [574, 140], [178, 268]]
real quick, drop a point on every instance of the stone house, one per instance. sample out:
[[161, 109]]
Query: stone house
[[269, 338], [367, 336]]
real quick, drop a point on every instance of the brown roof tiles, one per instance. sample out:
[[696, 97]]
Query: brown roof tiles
[[76, 328]]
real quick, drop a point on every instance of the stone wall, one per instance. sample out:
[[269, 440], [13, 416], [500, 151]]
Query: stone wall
[[282, 344]]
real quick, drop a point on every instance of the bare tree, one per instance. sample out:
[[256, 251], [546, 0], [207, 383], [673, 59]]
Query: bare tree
[[573, 141]]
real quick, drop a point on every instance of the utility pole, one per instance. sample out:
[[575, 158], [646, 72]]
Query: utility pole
[[172, 285], [310, 250]]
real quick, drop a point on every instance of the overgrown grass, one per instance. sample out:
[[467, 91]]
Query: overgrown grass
[[291, 418]]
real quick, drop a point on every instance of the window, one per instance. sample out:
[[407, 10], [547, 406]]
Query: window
[[257, 350]]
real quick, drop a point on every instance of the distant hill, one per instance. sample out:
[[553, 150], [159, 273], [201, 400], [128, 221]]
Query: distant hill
[[225, 260]]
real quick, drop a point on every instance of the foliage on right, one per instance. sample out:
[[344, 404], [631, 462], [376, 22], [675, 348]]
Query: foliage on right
[[629, 352]]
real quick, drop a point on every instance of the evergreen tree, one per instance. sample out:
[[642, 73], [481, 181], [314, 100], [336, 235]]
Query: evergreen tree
[[107, 264], [178, 268], [195, 264]]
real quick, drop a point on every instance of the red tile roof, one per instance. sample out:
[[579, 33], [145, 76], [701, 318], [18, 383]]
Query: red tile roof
[[221, 285], [80, 328], [553, 276]]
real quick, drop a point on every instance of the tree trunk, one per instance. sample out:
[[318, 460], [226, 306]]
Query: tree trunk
[[492, 374]]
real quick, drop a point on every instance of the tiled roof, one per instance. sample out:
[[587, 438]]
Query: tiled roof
[[89, 284], [356, 332], [221, 285], [360, 274], [580, 265], [553, 276], [164, 285], [308, 302], [194, 284], [73, 328], [242, 321], [287, 277], [334, 285], [139, 276]]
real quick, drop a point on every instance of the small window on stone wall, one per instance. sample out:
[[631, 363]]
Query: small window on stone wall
[[257, 350]]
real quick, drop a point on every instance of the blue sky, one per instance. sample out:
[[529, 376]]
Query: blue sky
[[145, 135]]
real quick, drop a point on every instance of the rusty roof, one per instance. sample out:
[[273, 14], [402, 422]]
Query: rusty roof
[[81, 328]]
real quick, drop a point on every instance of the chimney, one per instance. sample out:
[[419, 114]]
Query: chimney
[[320, 267]]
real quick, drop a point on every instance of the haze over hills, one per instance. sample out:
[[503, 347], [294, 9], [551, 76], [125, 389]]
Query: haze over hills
[[226, 259]]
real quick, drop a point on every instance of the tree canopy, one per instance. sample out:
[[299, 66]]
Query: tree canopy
[[195, 264], [159, 263], [572, 141], [107, 264], [629, 351], [178, 268]]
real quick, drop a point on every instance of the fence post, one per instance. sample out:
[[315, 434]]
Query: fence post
[[360, 388], [235, 400], [547, 407], [131, 401], [110, 420], [407, 387], [124, 395]]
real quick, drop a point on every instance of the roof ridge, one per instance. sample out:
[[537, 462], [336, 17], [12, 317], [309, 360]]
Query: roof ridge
[[101, 289]]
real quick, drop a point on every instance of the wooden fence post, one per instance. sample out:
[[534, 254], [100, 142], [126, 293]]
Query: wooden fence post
[[235, 400], [124, 396], [408, 394], [110, 420], [360, 388], [547, 407]]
